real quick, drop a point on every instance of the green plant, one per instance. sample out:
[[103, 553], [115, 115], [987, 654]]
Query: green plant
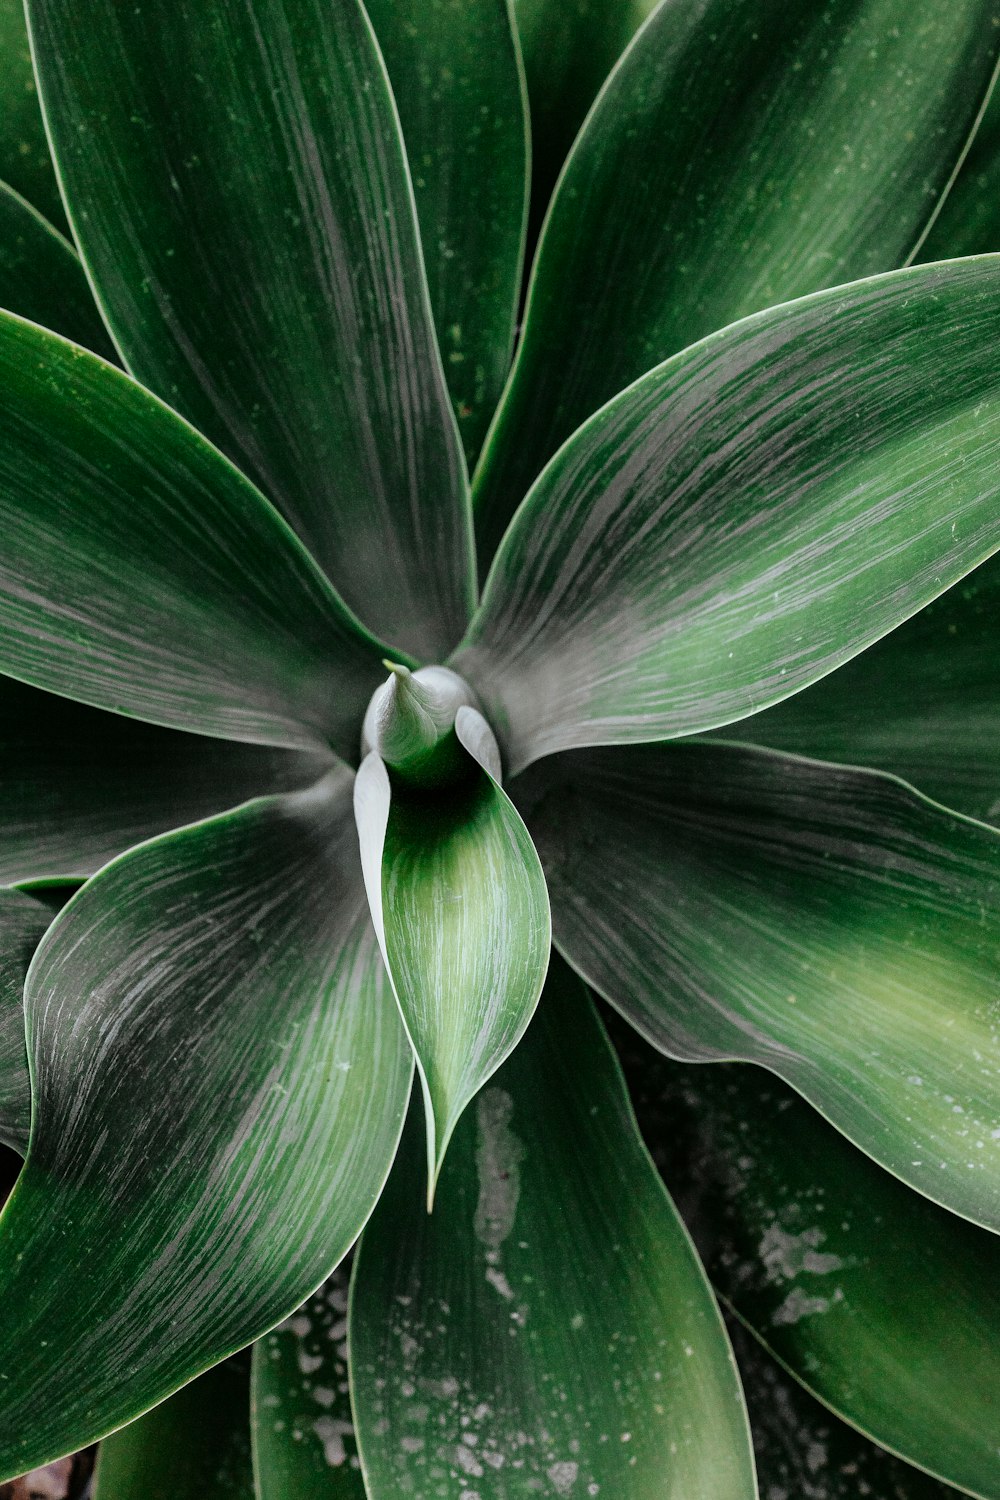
[[738, 450]]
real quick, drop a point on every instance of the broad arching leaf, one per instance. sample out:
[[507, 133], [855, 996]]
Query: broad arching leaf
[[827, 922], [41, 277], [141, 572], [78, 786], [457, 82], [220, 1077], [25, 162], [194, 1446], [237, 184], [748, 516], [459, 903], [881, 1303], [23, 921], [923, 702], [548, 1328], [303, 1427], [743, 153]]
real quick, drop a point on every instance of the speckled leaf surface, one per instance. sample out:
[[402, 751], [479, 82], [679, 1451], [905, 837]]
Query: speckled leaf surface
[[303, 1428], [457, 81], [194, 1446], [208, 1022], [80, 785], [237, 184], [141, 572], [742, 154], [41, 277], [748, 516], [827, 922], [881, 1303], [25, 162], [921, 703], [23, 921], [548, 1328], [459, 902]]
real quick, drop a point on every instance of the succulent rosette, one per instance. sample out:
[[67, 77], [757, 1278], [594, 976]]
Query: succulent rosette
[[364, 634]]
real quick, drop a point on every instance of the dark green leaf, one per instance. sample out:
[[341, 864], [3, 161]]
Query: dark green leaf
[[80, 786], [237, 184], [969, 221], [456, 77], [548, 1328], [743, 153], [142, 573], [208, 1022], [196, 1446], [303, 1430], [23, 921], [827, 922], [41, 277], [882, 1304], [748, 516], [25, 162], [458, 899]]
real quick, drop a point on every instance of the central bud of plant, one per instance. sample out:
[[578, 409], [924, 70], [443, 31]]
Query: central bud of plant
[[410, 723]]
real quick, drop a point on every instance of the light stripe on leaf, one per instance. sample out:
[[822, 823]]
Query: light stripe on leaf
[[41, 277], [748, 516], [25, 160], [548, 1328], [23, 921], [459, 902], [208, 1022], [829, 923], [741, 154], [238, 187]]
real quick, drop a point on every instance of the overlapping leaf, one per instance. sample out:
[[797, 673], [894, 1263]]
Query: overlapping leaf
[[741, 155], [548, 1328], [23, 921], [25, 162], [748, 516], [237, 184], [208, 1025], [969, 223], [881, 1303], [827, 922], [41, 277]]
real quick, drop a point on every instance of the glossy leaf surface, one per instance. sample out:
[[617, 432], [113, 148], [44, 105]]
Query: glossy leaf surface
[[41, 277], [748, 516], [458, 899], [881, 1303], [922, 702], [142, 573], [456, 78], [303, 1429], [742, 154], [195, 1446], [548, 1328], [237, 184], [827, 922], [25, 162], [23, 921], [80, 786], [208, 1022]]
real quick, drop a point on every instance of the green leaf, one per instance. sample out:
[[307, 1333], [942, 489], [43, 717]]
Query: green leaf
[[237, 184], [303, 1429], [80, 786], [922, 703], [457, 80], [812, 151], [196, 1446], [141, 572], [969, 221], [882, 1304], [827, 922], [23, 921], [41, 277], [459, 903], [208, 1021], [748, 516], [548, 1328], [25, 162]]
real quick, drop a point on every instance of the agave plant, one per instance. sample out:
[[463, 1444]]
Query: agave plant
[[732, 505]]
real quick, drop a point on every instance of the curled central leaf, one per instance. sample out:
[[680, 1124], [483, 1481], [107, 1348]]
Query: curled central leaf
[[410, 724]]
